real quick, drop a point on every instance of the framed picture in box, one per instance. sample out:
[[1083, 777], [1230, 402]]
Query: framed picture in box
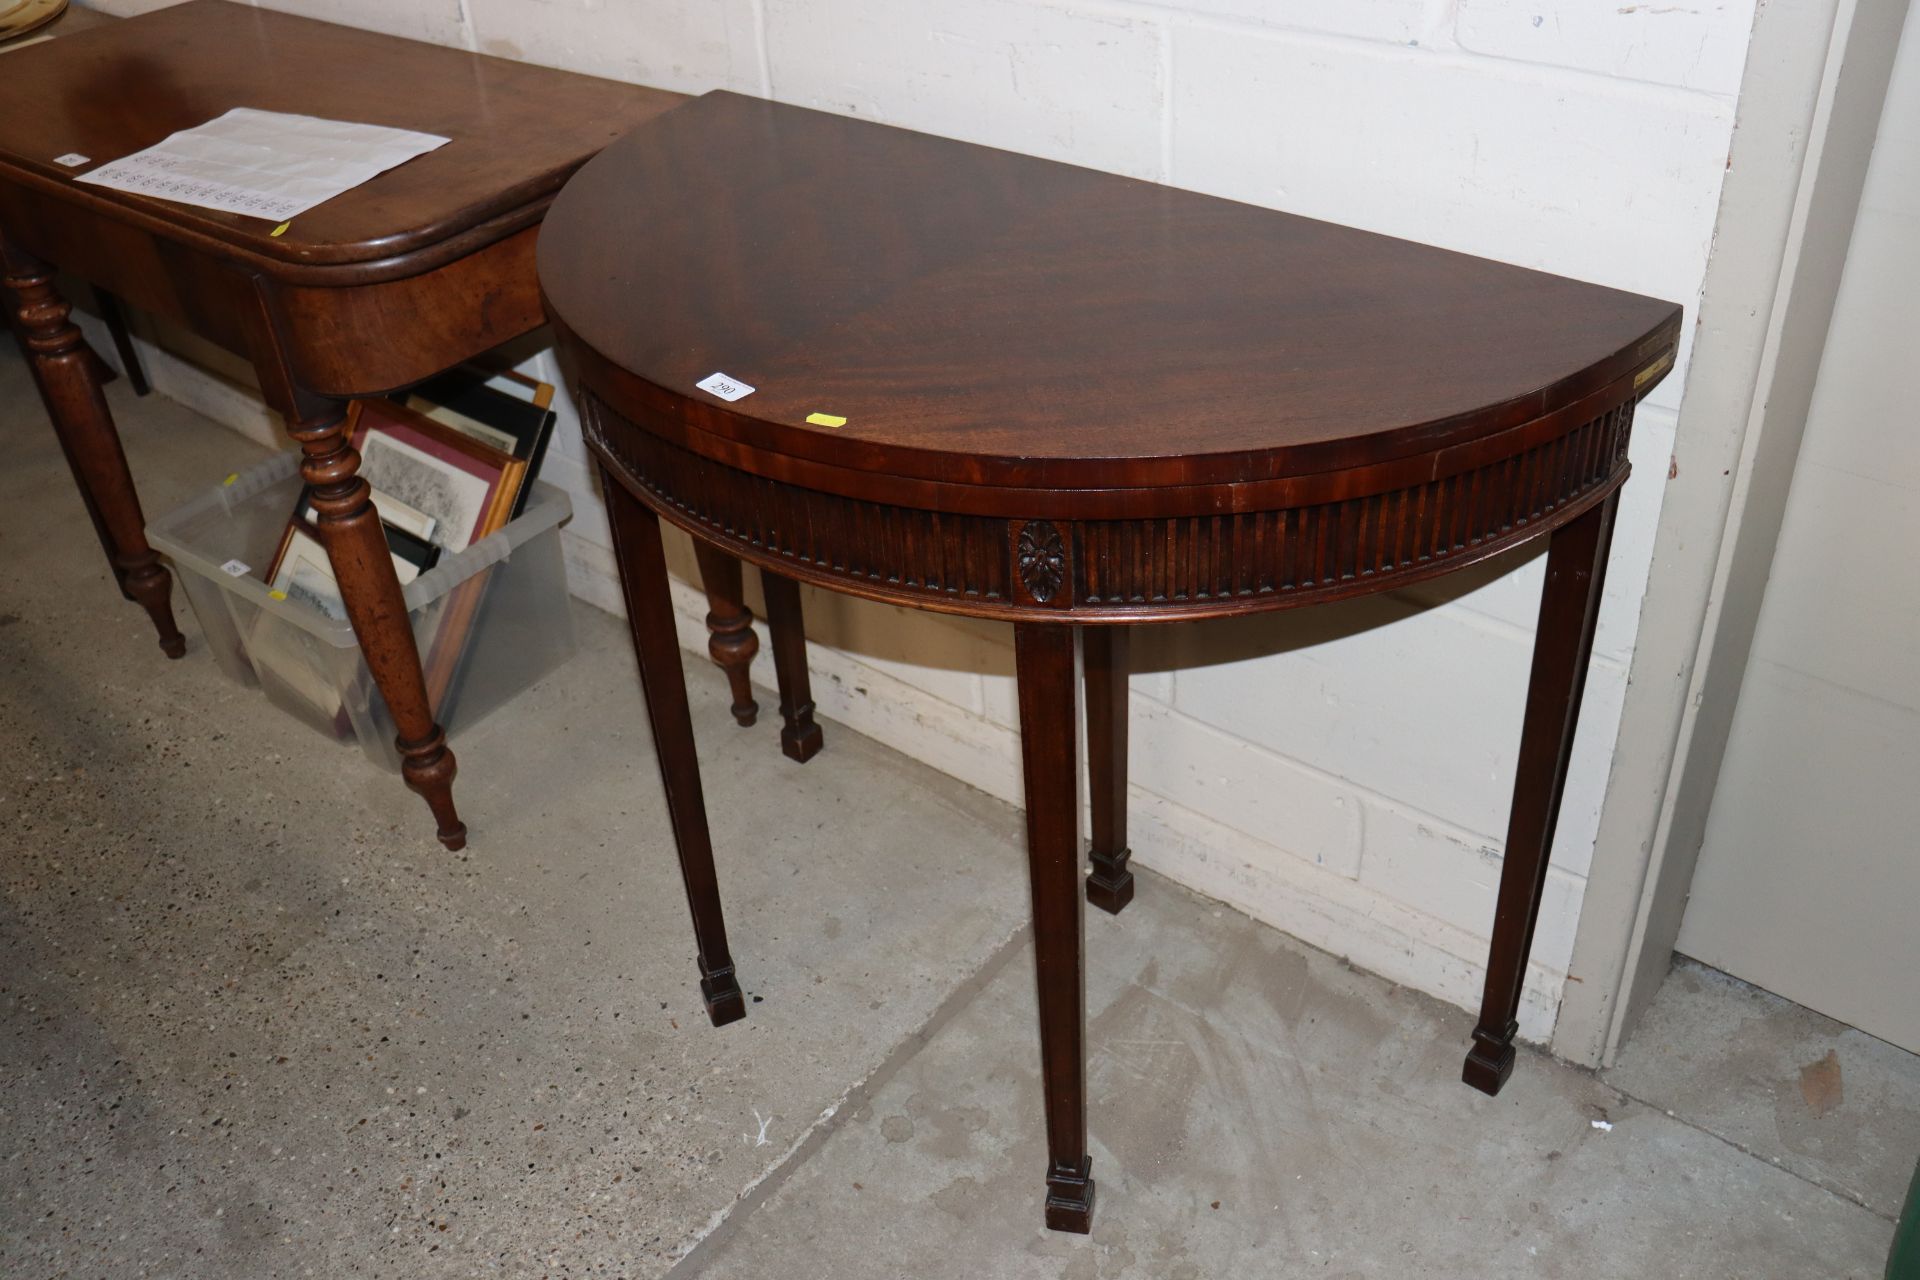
[[456, 488], [437, 489], [302, 572], [507, 409]]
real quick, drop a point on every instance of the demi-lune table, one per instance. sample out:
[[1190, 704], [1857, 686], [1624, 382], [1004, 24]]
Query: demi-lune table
[[424, 266], [1077, 403]]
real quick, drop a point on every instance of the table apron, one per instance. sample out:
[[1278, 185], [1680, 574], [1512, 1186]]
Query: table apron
[[150, 271], [345, 340], [1046, 568]]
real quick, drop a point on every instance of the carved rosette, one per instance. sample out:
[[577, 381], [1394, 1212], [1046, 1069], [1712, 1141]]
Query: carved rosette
[[1041, 559]]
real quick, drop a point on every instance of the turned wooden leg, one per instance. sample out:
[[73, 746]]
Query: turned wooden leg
[[799, 735], [64, 367], [349, 528], [731, 641], [100, 529], [1110, 887], [643, 577], [1576, 571], [1044, 661]]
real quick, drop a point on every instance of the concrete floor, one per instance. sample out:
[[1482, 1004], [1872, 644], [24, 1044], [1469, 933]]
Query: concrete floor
[[255, 1023]]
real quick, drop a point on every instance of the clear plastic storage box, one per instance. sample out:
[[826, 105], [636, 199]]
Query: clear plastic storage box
[[510, 588]]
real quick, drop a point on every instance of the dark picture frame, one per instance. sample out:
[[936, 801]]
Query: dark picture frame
[[505, 408]]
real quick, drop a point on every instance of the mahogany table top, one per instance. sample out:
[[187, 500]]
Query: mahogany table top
[[518, 131], [982, 317]]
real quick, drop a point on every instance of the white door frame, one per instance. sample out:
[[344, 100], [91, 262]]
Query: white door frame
[[1810, 103]]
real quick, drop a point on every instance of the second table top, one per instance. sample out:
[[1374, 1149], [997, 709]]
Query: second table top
[[517, 131]]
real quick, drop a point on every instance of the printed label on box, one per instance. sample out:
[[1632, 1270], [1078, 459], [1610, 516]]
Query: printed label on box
[[236, 569], [726, 388]]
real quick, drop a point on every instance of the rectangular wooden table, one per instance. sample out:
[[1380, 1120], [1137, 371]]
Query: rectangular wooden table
[[424, 266]]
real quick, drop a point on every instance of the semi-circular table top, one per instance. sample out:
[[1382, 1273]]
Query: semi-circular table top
[[1006, 338], [1051, 325]]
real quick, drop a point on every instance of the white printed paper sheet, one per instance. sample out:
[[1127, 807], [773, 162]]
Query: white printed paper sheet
[[264, 163]]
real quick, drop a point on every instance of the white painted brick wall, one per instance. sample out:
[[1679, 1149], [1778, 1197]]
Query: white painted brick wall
[[1694, 44], [1342, 773], [1057, 82], [686, 45]]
